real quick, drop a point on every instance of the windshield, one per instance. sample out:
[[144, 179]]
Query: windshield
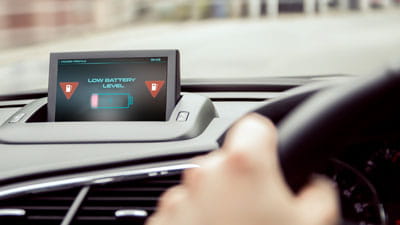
[[217, 38]]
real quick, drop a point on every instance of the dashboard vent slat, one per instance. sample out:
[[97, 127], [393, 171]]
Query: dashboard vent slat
[[103, 201], [41, 208]]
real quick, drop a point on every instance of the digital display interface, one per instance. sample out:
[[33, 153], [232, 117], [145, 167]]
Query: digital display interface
[[111, 89]]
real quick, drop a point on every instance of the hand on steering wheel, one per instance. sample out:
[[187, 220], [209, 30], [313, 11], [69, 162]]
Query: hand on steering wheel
[[242, 184]]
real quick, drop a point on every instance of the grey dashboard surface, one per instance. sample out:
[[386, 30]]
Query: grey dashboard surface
[[23, 160], [189, 118]]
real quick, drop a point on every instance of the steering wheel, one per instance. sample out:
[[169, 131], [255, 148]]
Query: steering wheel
[[323, 124]]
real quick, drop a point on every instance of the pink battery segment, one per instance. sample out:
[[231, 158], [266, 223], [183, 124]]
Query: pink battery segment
[[94, 100]]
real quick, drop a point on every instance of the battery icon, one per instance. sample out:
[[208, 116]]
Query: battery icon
[[111, 100]]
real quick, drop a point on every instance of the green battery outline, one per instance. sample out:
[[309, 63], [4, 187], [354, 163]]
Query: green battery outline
[[95, 100]]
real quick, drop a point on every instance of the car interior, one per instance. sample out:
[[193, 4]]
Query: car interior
[[115, 129], [322, 128]]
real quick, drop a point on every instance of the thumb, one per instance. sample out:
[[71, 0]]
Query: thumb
[[319, 202], [254, 137]]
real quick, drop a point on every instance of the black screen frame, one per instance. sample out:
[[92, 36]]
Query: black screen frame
[[173, 73]]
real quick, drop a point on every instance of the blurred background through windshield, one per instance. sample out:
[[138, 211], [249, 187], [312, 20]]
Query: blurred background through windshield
[[217, 38]]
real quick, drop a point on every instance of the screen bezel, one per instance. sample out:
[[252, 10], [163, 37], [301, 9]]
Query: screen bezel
[[173, 74]]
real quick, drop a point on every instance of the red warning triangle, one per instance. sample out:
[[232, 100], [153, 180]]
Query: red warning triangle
[[154, 86], [69, 88]]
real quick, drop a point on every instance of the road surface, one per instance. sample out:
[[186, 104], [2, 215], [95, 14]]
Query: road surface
[[355, 43]]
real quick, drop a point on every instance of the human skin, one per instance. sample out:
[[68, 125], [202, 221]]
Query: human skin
[[242, 184]]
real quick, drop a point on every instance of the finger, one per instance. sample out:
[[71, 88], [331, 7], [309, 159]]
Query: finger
[[248, 129], [153, 220], [320, 198], [200, 160], [160, 218], [252, 142], [192, 179], [170, 199]]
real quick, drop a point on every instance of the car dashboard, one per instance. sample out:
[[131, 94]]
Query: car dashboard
[[105, 181]]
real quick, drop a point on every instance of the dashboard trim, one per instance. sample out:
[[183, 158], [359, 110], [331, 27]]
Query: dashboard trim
[[166, 168]]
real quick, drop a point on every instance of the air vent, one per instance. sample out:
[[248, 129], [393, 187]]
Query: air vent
[[37, 209], [14, 104], [134, 200]]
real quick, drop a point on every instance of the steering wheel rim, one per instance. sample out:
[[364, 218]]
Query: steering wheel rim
[[319, 127]]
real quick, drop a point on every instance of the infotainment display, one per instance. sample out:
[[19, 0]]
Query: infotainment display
[[113, 86]]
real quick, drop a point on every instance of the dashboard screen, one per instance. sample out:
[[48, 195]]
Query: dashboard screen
[[111, 89]]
